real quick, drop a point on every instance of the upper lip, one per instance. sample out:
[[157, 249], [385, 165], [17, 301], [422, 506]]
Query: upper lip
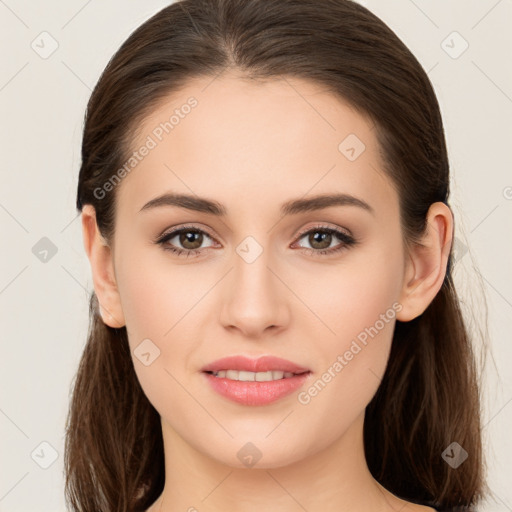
[[262, 364]]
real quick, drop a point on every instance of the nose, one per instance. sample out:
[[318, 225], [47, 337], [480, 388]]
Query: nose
[[255, 299]]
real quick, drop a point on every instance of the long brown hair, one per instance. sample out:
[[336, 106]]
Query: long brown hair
[[429, 396]]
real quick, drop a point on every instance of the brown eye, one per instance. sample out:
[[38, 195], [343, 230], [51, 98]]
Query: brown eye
[[319, 240], [191, 239], [185, 241]]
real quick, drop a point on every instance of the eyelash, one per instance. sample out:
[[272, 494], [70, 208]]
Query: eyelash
[[347, 241]]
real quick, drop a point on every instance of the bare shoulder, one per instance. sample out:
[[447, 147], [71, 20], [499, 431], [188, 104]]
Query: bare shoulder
[[401, 505], [414, 507]]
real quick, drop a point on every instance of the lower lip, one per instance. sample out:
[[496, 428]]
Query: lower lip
[[256, 393]]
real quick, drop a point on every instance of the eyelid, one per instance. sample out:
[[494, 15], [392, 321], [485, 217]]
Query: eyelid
[[192, 227], [304, 231], [325, 226], [343, 234]]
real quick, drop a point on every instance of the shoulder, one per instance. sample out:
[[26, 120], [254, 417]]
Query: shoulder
[[403, 505], [414, 507], [408, 506]]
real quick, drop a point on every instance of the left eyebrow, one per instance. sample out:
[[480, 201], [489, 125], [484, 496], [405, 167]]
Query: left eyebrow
[[320, 202], [292, 207]]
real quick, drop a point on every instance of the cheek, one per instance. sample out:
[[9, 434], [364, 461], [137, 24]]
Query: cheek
[[357, 305], [156, 294], [159, 303], [360, 308], [353, 296]]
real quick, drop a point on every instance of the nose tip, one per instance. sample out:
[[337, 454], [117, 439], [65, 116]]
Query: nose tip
[[253, 301]]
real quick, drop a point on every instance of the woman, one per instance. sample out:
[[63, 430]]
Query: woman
[[264, 195]]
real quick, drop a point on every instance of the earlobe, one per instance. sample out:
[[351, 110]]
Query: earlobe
[[426, 265], [102, 267]]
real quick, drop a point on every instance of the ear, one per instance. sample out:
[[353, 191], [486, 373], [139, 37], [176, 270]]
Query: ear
[[426, 263], [100, 258]]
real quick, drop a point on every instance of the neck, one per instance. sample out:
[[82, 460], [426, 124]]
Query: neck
[[336, 478]]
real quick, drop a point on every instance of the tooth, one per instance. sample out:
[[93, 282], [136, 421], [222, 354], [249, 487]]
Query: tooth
[[263, 376], [232, 374], [246, 376]]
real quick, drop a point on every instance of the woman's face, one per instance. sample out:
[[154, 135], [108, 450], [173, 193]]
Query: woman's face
[[258, 280]]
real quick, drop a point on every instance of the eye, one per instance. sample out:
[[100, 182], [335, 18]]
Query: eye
[[320, 239], [189, 237]]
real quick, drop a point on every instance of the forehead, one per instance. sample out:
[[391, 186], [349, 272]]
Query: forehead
[[268, 139], [262, 113]]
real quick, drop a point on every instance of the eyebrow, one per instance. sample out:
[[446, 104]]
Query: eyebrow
[[292, 207]]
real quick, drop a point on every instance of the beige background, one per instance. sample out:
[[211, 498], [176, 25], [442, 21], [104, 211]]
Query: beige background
[[43, 305]]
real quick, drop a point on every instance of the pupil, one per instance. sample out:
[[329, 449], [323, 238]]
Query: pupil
[[189, 237], [321, 238]]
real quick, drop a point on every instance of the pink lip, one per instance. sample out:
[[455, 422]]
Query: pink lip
[[255, 393], [262, 364]]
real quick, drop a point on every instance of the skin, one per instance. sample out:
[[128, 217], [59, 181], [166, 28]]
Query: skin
[[251, 147]]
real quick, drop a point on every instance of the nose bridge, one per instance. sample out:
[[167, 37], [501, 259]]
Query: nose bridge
[[254, 299]]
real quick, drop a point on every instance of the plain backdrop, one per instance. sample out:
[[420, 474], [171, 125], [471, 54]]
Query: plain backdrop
[[45, 278]]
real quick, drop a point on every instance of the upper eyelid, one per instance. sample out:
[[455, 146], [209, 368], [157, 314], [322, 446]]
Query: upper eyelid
[[326, 227], [300, 234], [175, 231]]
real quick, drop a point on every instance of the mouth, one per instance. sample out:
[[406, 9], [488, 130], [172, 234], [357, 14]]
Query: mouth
[[247, 376], [249, 368], [253, 382]]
